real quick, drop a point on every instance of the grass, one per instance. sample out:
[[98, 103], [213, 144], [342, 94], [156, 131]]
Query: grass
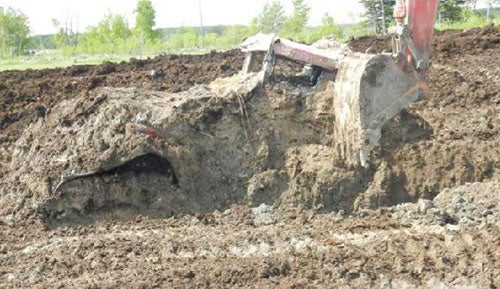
[[55, 59], [474, 21]]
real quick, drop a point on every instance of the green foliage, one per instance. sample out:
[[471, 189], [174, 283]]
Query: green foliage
[[42, 42], [145, 20], [356, 30], [294, 25], [470, 20], [65, 36], [61, 38], [211, 40], [328, 28], [186, 37], [119, 27], [271, 18], [450, 11], [54, 58], [14, 32], [380, 13], [110, 35], [234, 35]]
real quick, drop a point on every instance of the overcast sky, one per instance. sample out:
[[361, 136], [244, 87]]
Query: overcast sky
[[169, 13]]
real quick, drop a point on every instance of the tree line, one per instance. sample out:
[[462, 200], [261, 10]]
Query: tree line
[[113, 34], [380, 12]]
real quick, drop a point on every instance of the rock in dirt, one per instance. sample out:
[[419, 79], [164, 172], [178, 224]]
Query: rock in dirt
[[468, 205]]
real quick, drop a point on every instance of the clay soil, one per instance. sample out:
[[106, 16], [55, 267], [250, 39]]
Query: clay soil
[[449, 139]]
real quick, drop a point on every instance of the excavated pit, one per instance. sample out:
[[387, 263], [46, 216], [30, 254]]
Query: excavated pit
[[123, 152], [230, 142]]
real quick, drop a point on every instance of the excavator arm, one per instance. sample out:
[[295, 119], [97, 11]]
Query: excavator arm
[[414, 32]]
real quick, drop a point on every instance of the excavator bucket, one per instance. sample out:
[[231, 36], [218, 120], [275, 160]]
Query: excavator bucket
[[369, 91]]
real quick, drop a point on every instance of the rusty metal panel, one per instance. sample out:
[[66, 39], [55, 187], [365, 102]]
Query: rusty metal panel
[[306, 54]]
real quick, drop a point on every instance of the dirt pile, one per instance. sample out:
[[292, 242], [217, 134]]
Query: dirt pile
[[450, 43], [242, 173], [450, 137], [231, 143], [118, 152], [473, 204], [28, 94]]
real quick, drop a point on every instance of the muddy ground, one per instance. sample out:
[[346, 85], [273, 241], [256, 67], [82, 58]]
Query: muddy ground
[[251, 197]]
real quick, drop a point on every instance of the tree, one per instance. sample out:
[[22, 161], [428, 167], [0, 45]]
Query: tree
[[65, 36], [380, 12], [328, 28], [145, 20], [234, 35], [119, 27], [60, 38], [107, 36], [271, 18], [491, 3], [295, 24], [14, 32], [451, 10], [186, 37]]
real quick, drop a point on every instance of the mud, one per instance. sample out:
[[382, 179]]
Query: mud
[[209, 142], [151, 174]]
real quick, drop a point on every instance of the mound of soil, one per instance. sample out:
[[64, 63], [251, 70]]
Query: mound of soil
[[73, 151], [26, 95], [446, 140]]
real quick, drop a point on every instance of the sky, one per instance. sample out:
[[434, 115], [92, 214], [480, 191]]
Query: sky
[[169, 13]]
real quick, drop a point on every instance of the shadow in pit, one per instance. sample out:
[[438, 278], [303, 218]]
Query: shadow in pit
[[145, 185]]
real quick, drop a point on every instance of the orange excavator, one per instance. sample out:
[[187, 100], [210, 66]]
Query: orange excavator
[[368, 89]]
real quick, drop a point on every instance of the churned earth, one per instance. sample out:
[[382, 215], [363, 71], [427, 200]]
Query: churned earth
[[164, 173]]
